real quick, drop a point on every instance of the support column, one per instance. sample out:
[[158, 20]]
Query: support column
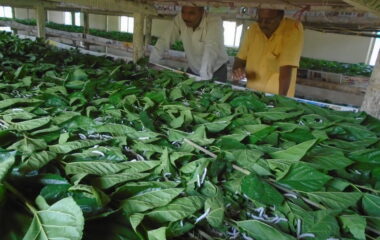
[[72, 18], [14, 30], [148, 31], [86, 28], [41, 21], [371, 103], [138, 36], [75, 43], [13, 13]]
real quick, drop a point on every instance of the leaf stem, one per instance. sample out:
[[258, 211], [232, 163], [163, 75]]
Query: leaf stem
[[21, 197], [369, 237], [356, 188], [365, 188], [373, 230], [205, 235], [242, 170], [308, 201], [213, 155]]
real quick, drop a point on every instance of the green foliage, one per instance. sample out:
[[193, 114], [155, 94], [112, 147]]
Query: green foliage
[[359, 69], [92, 148]]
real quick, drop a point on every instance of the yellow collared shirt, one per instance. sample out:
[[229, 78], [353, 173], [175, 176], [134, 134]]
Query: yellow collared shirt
[[264, 56]]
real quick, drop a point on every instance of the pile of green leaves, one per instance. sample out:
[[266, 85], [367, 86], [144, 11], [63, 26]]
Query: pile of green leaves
[[64, 27], [92, 148], [350, 69], [31, 22], [114, 35], [232, 51]]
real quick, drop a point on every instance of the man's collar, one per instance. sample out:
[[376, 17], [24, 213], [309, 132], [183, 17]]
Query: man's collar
[[280, 25]]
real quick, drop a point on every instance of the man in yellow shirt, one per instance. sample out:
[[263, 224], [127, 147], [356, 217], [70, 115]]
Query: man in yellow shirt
[[270, 53]]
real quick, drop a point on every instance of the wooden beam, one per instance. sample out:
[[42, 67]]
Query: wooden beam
[[109, 5], [148, 31], [371, 103], [18, 3], [138, 36], [345, 32], [105, 7], [27, 3], [41, 21], [274, 4], [366, 5], [347, 15], [341, 18]]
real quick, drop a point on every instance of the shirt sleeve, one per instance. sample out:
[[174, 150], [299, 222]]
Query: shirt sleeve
[[292, 45], [213, 44], [165, 41], [244, 46]]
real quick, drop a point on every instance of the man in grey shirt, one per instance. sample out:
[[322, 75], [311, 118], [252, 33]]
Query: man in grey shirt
[[203, 41]]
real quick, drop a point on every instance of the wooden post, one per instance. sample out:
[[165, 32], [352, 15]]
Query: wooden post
[[13, 13], [14, 30], [41, 21], [86, 28], [72, 18], [371, 103], [148, 31], [86, 23], [138, 36]]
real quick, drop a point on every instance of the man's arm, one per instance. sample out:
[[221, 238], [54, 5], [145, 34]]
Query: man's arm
[[165, 41], [290, 56], [285, 78], [213, 40]]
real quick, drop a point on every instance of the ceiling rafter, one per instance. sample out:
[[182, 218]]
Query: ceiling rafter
[[101, 6], [366, 5], [328, 5]]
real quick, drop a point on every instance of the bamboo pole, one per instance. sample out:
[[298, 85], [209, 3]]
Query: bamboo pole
[[72, 18], [41, 21], [148, 31], [86, 28], [138, 36]]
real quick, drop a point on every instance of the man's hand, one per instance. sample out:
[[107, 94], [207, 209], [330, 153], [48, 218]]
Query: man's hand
[[238, 74], [238, 69]]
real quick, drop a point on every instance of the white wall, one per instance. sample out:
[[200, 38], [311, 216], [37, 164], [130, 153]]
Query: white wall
[[24, 13], [98, 21], [113, 23], [337, 47], [56, 16]]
